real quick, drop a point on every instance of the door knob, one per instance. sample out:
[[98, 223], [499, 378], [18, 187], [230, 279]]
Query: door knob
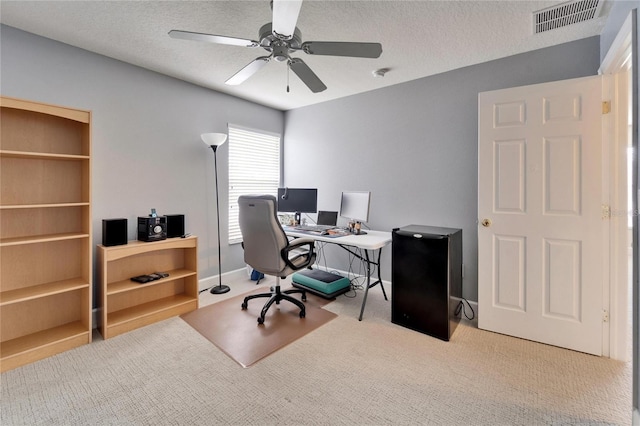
[[486, 223]]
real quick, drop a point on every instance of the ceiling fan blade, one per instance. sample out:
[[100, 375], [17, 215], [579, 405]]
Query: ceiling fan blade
[[249, 70], [339, 48], [211, 38], [285, 16], [307, 76]]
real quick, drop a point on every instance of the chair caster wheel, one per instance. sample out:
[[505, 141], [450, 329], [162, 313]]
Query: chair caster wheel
[[260, 320], [244, 305], [302, 314]]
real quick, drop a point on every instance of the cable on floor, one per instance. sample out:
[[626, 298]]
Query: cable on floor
[[461, 307]]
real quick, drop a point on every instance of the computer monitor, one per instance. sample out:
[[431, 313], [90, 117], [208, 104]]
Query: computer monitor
[[354, 205], [298, 200]]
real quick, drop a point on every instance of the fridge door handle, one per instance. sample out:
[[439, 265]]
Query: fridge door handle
[[418, 235]]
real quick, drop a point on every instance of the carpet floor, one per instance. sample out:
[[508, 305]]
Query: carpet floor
[[347, 372]]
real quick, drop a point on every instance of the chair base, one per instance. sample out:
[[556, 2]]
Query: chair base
[[275, 296]]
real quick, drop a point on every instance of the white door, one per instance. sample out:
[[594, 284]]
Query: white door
[[541, 237]]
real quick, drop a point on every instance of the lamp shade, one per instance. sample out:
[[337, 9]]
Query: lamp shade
[[214, 139]]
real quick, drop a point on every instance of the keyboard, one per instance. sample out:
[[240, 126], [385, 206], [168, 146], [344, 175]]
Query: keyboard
[[316, 228]]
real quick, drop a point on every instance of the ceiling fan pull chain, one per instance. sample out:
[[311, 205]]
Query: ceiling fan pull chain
[[288, 70]]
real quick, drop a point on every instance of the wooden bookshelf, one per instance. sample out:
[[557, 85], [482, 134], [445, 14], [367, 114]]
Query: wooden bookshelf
[[45, 230], [126, 304]]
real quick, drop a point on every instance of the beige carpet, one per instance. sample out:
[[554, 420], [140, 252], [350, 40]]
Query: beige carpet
[[346, 372], [237, 333]]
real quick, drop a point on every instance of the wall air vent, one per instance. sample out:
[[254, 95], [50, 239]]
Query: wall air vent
[[565, 14]]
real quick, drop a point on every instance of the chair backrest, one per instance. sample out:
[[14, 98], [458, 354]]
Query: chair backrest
[[263, 237]]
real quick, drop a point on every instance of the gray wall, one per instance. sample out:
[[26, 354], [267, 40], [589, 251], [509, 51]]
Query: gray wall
[[147, 150], [619, 11], [414, 145]]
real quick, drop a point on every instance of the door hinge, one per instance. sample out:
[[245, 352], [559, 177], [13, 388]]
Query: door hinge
[[605, 316], [606, 107], [606, 211]]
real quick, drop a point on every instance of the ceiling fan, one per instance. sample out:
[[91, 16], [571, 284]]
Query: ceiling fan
[[281, 38]]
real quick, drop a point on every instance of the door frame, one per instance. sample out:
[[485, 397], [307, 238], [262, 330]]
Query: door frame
[[616, 291]]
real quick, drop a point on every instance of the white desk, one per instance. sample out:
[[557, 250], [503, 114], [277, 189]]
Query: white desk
[[372, 240]]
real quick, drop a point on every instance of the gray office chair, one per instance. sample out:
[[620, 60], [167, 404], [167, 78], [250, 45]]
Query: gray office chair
[[268, 250]]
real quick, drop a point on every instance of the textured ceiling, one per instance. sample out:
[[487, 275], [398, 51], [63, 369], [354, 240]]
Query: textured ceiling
[[419, 38]]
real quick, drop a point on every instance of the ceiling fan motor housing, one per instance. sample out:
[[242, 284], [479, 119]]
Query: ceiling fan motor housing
[[281, 48], [282, 44]]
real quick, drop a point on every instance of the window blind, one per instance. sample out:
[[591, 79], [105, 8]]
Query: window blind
[[254, 168]]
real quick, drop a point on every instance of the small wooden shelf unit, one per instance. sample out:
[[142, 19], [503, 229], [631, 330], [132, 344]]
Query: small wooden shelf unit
[[45, 230], [126, 304]]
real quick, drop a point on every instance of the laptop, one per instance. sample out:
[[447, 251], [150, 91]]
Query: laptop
[[326, 221], [327, 218]]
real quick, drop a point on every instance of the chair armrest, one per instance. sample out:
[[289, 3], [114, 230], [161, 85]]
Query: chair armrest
[[298, 243]]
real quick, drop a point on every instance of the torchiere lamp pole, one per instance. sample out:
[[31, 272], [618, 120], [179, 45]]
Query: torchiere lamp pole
[[214, 140]]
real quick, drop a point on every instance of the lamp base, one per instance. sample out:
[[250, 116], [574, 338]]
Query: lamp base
[[219, 289]]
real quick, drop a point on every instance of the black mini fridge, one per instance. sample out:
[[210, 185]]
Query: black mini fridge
[[426, 279]]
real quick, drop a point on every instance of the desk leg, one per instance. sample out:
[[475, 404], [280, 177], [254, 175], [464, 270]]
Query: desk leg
[[369, 285], [366, 289], [384, 293]]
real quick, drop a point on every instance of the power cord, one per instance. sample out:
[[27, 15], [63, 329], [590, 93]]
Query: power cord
[[309, 219], [461, 308], [320, 257], [357, 273]]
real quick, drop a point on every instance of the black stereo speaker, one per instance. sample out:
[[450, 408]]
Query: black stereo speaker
[[114, 232], [152, 228], [175, 225]]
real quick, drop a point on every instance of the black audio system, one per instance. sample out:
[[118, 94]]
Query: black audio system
[[114, 232], [175, 225], [152, 228]]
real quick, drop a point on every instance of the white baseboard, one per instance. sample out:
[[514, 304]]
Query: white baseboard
[[230, 276], [211, 281], [387, 284]]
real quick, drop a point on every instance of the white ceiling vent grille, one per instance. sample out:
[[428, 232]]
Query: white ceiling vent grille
[[565, 14]]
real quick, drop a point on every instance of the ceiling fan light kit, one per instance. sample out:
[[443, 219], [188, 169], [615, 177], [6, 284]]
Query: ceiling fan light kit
[[281, 38]]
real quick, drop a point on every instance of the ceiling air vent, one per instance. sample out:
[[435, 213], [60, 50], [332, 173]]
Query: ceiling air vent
[[565, 14]]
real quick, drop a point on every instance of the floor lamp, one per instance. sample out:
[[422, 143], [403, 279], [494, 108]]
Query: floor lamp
[[214, 140]]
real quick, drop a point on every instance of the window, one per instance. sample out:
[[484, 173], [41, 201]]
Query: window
[[254, 168]]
